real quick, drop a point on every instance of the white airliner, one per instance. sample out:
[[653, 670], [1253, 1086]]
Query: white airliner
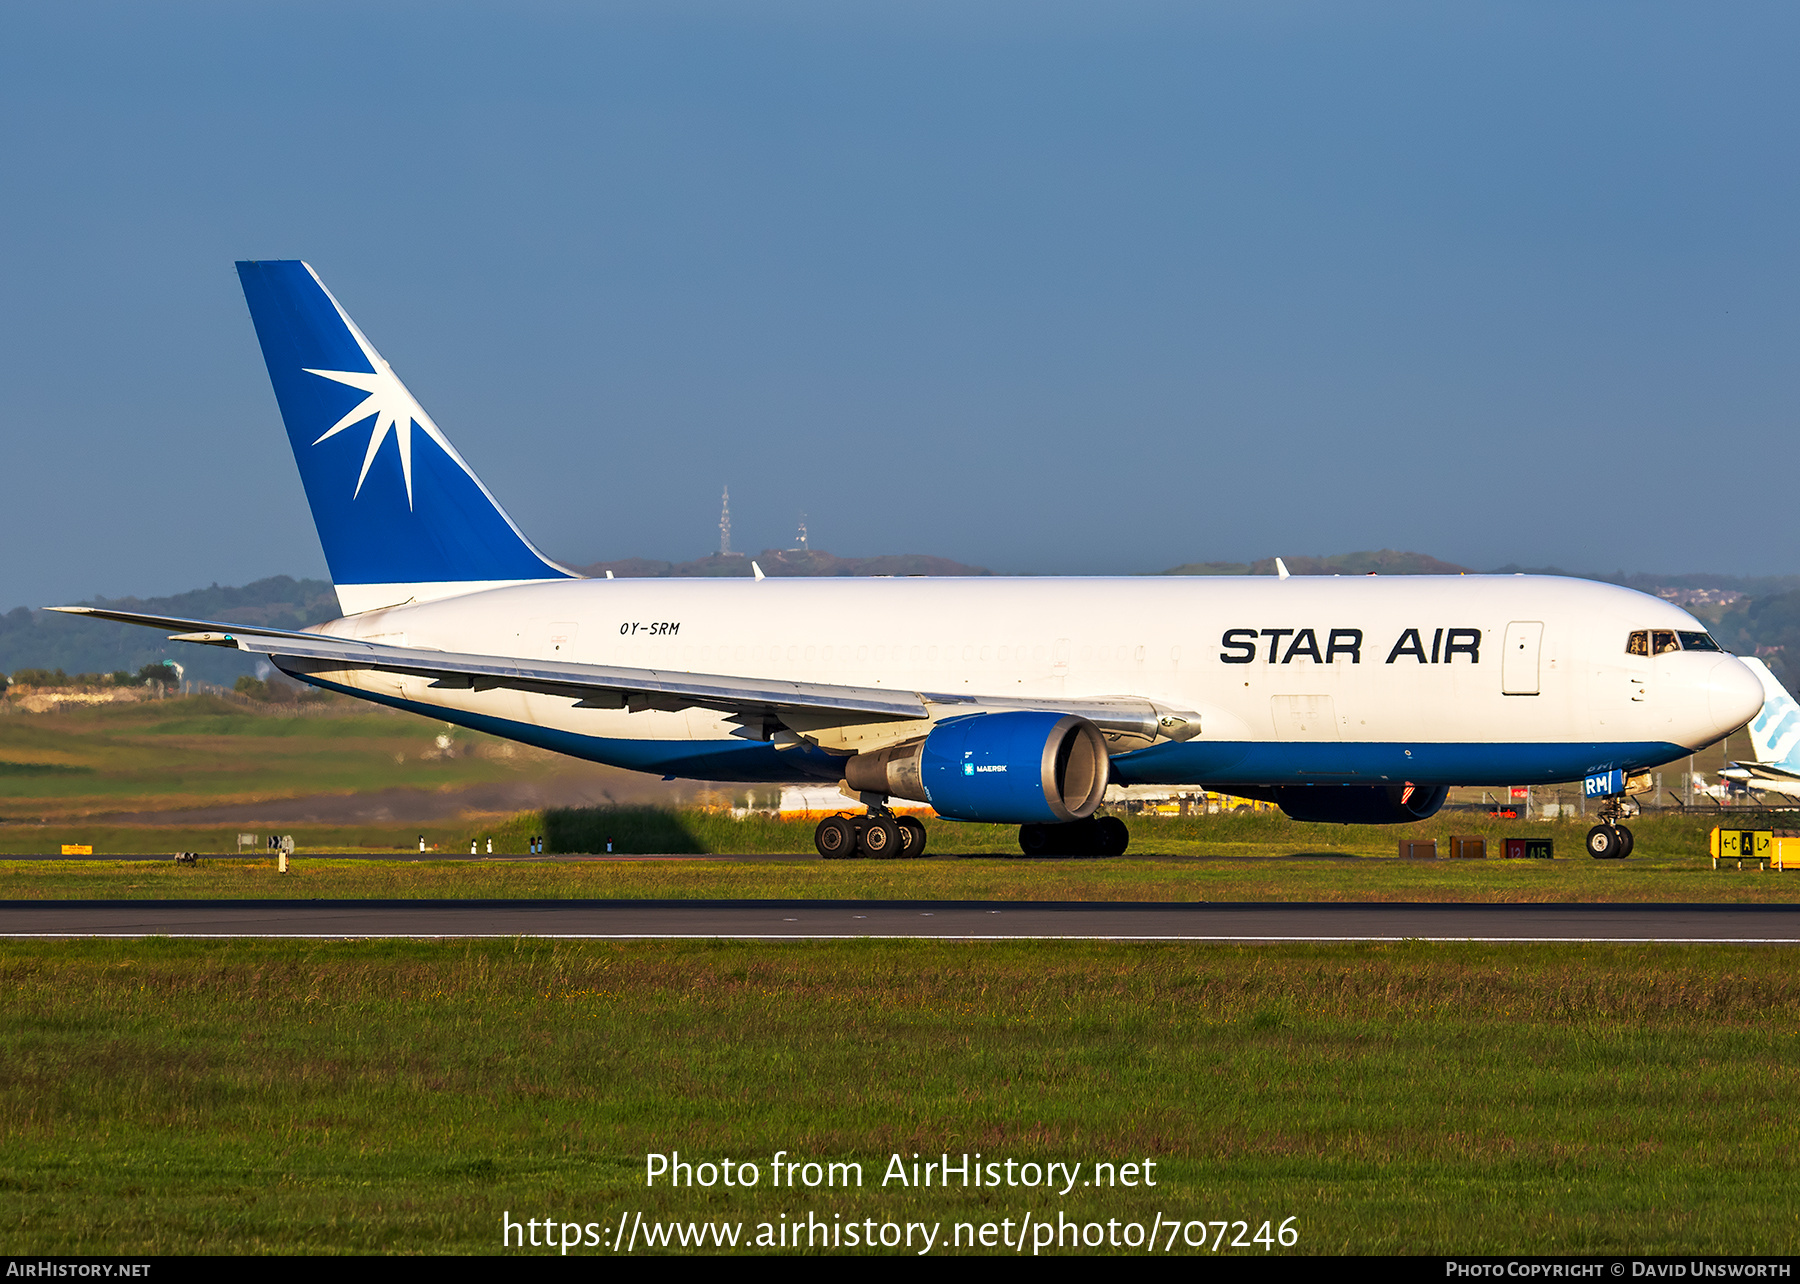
[[1775, 735], [1358, 699]]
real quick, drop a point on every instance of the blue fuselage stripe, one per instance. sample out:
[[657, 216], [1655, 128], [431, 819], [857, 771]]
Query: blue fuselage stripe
[[1222, 764]]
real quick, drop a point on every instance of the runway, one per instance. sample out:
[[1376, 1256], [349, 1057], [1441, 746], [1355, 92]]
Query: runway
[[940, 920]]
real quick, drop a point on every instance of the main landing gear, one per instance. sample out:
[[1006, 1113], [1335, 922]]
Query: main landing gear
[[1609, 840], [880, 835], [1095, 836]]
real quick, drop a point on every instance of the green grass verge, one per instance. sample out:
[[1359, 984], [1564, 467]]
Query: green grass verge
[[1164, 879], [1211, 858], [246, 1096]]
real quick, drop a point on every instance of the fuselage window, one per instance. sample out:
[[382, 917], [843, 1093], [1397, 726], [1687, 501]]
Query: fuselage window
[[1662, 641], [1699, 642], [1638, 643]]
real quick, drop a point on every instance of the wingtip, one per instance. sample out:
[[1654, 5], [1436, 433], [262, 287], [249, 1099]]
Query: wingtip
[[759, 571], [1281, 569]]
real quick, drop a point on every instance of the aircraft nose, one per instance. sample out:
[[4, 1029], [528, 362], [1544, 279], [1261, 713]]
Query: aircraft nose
[[1733, 694]]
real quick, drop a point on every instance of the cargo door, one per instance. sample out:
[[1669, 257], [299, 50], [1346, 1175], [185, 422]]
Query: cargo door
[[1304, 717], [1519, 657]]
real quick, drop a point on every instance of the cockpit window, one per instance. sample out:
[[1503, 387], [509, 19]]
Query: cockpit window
[[1664, 641]]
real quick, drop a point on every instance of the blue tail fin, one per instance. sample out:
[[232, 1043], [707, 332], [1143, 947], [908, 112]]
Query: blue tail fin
[[1776, 730], [400, 514]]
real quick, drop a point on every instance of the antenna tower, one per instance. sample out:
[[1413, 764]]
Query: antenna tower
[[725, 523]]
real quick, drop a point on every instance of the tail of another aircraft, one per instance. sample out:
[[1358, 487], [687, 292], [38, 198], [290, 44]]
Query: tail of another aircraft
[[1776, 730], [401, 516]]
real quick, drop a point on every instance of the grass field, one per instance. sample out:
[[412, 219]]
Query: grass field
[[63, 769], [173, 1097], [203, 750], [167, 1096]]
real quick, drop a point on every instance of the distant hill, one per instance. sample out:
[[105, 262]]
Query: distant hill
[[1646, 582], [1384, 561], [45, 640], [785, 561]]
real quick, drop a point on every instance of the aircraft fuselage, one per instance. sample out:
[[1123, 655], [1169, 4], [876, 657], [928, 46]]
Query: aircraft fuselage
[[1468, 680]]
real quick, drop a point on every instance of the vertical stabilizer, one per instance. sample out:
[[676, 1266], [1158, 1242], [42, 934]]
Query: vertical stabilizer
[[401, 516], [1775, 732]]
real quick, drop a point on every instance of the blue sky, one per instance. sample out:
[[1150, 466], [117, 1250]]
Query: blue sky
[[1049, 288]]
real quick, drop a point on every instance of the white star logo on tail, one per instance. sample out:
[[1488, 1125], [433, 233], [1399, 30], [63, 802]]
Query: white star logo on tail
[[391, 405]]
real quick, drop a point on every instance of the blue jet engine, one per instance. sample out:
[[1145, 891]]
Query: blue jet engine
[[1006, 768]]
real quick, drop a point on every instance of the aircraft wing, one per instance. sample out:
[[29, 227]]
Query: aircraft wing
[[1763, 771], [594, 685], [1126, 721]]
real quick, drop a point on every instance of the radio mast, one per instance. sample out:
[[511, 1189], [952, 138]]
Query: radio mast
[[725, 525]]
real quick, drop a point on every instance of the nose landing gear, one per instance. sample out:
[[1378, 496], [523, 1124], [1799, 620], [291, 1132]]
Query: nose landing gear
[[1609, 840]]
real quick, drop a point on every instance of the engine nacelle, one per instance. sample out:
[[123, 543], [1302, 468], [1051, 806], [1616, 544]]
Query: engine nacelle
[[1352, 804], [1008, 768]]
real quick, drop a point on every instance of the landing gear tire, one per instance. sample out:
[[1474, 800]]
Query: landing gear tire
[[1627, 844], [879, 838], [912, 837], [836, 839], [1607, 842], [1034, 840], [1114, 837]]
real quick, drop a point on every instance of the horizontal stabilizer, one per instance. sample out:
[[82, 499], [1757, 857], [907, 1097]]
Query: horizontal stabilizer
[[223, 634]]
